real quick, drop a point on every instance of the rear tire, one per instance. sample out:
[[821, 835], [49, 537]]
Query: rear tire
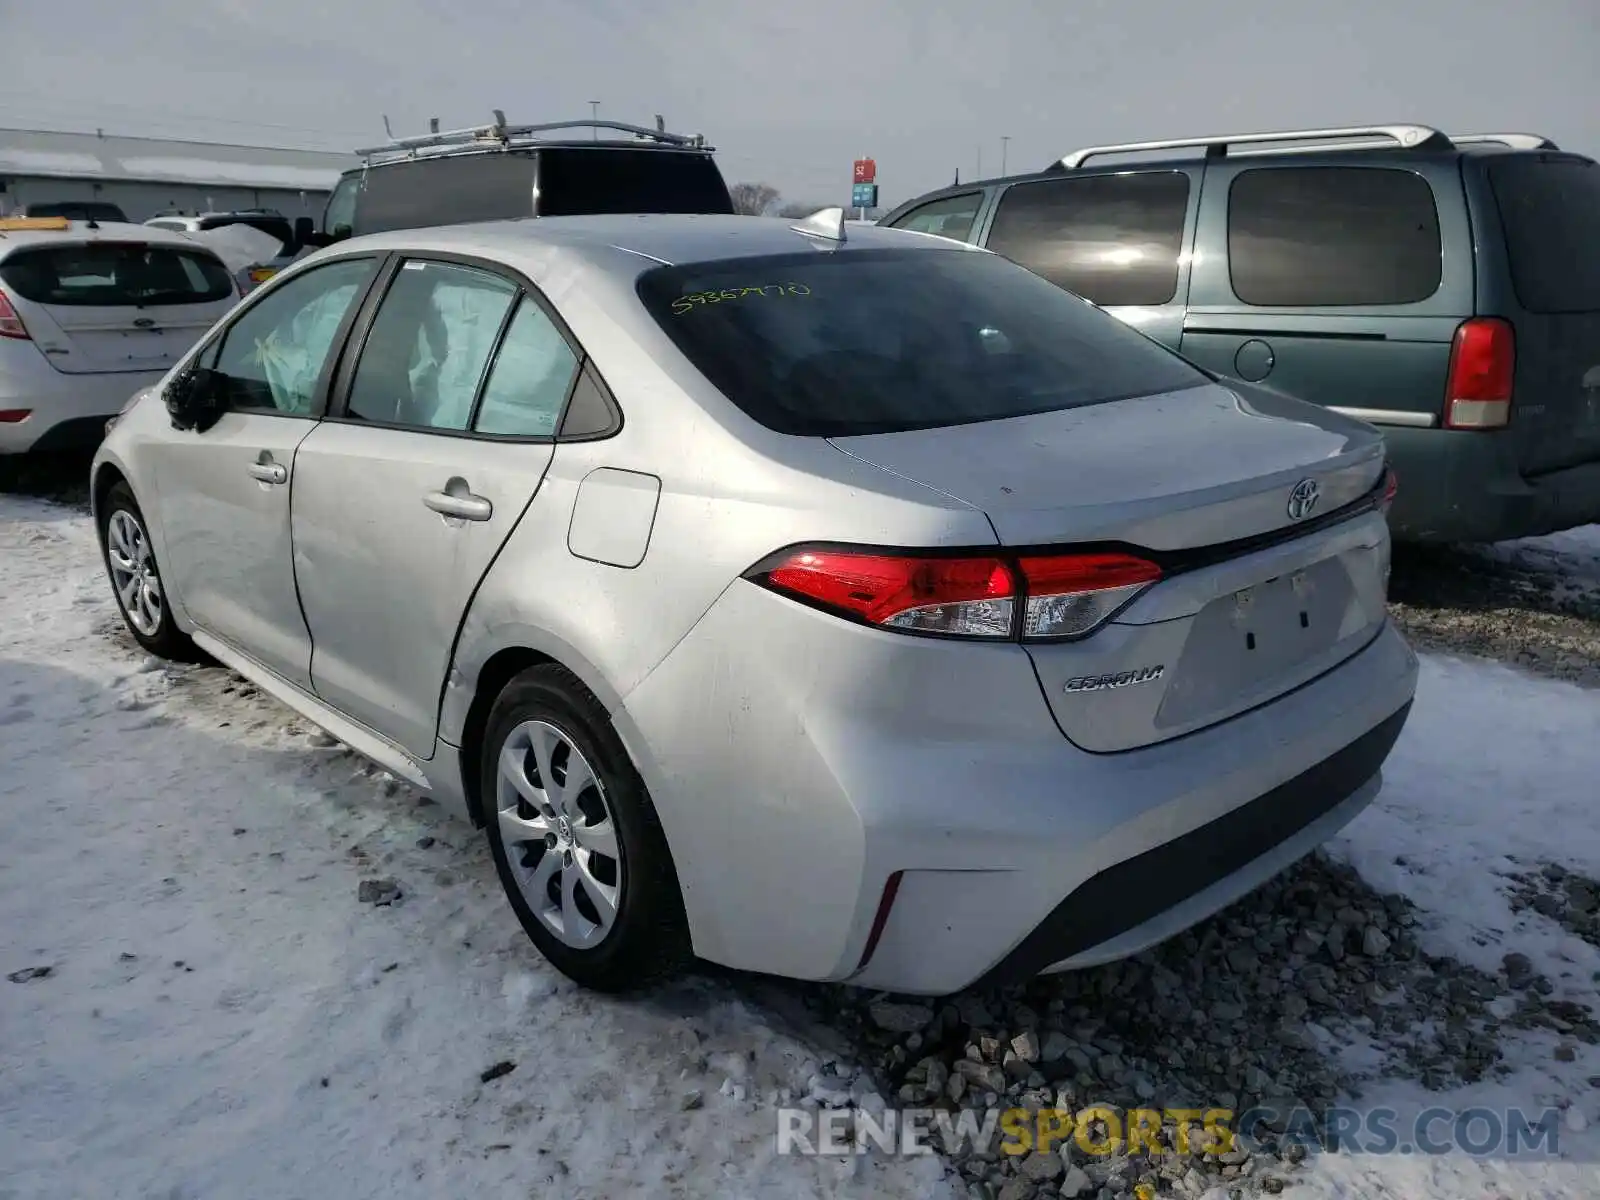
[[136, 578], [576, 840]]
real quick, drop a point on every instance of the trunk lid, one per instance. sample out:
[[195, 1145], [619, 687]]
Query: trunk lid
[[1550, 211], [103, 306], [1229, 627], [1191, 468]]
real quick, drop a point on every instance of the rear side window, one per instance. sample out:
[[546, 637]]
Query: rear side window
[[951, 217], [76, 210], [446, 191], [878, 341], [1313, 237], [575, 181], [1551, 214], [1112, 239], [116, 274]]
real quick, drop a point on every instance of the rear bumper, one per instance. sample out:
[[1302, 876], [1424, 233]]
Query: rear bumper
[[1465, 487], [66, 412], [821, 760]]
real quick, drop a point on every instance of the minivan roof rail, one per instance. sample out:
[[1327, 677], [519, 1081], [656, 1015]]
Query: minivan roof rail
[[1517, 141], [1407, 137], [503, 136]]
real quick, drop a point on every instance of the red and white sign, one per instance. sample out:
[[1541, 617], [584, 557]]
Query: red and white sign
[[866, 171]]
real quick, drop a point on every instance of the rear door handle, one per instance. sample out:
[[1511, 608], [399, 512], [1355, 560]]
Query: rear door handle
[[268, 472], [466, 506]]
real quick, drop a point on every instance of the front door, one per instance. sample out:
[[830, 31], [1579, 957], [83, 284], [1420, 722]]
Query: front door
[[405, 494], [223, 494]]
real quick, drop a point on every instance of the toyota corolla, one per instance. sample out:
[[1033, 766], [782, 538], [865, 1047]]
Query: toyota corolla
[[815, 599]]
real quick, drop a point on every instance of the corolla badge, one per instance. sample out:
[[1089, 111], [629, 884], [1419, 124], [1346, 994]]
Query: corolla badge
[[1119, 679], [1303, 499]]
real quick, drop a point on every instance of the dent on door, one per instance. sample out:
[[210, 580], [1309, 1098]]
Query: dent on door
[[613, 516]]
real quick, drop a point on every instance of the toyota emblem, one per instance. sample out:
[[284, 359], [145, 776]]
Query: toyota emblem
[[1303, 499]]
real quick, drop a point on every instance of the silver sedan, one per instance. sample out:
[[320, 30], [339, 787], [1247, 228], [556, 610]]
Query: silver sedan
[[824, 600]]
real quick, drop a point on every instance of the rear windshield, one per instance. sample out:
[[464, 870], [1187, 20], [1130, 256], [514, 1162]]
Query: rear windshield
[[575, 181], [879, 341], [109, 274], [1551, 213]]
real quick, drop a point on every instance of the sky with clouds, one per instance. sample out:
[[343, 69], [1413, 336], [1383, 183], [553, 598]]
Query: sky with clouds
[[791, 93]]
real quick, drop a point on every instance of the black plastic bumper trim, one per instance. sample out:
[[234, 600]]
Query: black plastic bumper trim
[[1126, 895]]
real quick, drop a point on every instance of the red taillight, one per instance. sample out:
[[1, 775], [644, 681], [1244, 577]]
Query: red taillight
[[971, 596], [11, 325], [1061, 595], [11, 416], [1391, 485], [1483, 364]]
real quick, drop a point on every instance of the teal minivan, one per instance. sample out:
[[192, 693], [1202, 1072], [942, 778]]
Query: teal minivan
[[1443, 288]]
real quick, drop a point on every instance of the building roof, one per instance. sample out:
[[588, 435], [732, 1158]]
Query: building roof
[[102, 158]]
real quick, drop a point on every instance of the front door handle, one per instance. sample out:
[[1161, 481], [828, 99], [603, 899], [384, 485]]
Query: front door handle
[[268, 472], [463, 505]]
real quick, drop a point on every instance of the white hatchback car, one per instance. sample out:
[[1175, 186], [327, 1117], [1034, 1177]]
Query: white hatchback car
[[90, 313]]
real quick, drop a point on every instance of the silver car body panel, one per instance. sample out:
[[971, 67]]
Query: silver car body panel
[[797, 760]]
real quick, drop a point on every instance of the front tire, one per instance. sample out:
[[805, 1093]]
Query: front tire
[[136, 578], [575, 837]]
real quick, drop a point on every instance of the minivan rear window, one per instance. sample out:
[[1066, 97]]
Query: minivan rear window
[[1551, 213], [577, 180], [880, 341], [116, 275]]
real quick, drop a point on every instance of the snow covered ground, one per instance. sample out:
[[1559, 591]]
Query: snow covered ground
[[220, 1017]]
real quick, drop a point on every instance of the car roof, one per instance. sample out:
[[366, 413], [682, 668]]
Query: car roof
[[87, 232], [631, 243]]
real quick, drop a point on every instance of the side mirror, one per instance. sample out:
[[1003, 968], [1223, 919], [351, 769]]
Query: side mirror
[[304, 230], [197, 398]]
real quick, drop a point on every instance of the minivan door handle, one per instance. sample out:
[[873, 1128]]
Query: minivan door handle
[[460, 503], [268, 472]]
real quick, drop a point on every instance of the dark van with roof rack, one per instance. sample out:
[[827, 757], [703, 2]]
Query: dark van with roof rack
[[1443, 288], [499, 172]]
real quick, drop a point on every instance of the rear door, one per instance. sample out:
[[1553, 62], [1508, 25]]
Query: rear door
[[405, 494], [1117, 240], [1548, 209], [104, 306], [1334, 281]]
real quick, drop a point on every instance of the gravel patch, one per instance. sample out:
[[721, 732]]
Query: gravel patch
[[1570, 899], [1540, 612], [1249, 1009]]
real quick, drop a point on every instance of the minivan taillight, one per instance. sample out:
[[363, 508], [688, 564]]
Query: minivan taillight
[[1483, 364], [11, 325], [1033, 597]]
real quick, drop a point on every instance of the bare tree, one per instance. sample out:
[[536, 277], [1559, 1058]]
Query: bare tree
[[753, 199], [799, 210]]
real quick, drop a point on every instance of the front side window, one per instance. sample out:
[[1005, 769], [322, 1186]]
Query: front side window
[[532, 374], [430, 342], [1312, 237], [877, 341], [339, 217], [1112, 239], [951, 217], [274, 355]]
